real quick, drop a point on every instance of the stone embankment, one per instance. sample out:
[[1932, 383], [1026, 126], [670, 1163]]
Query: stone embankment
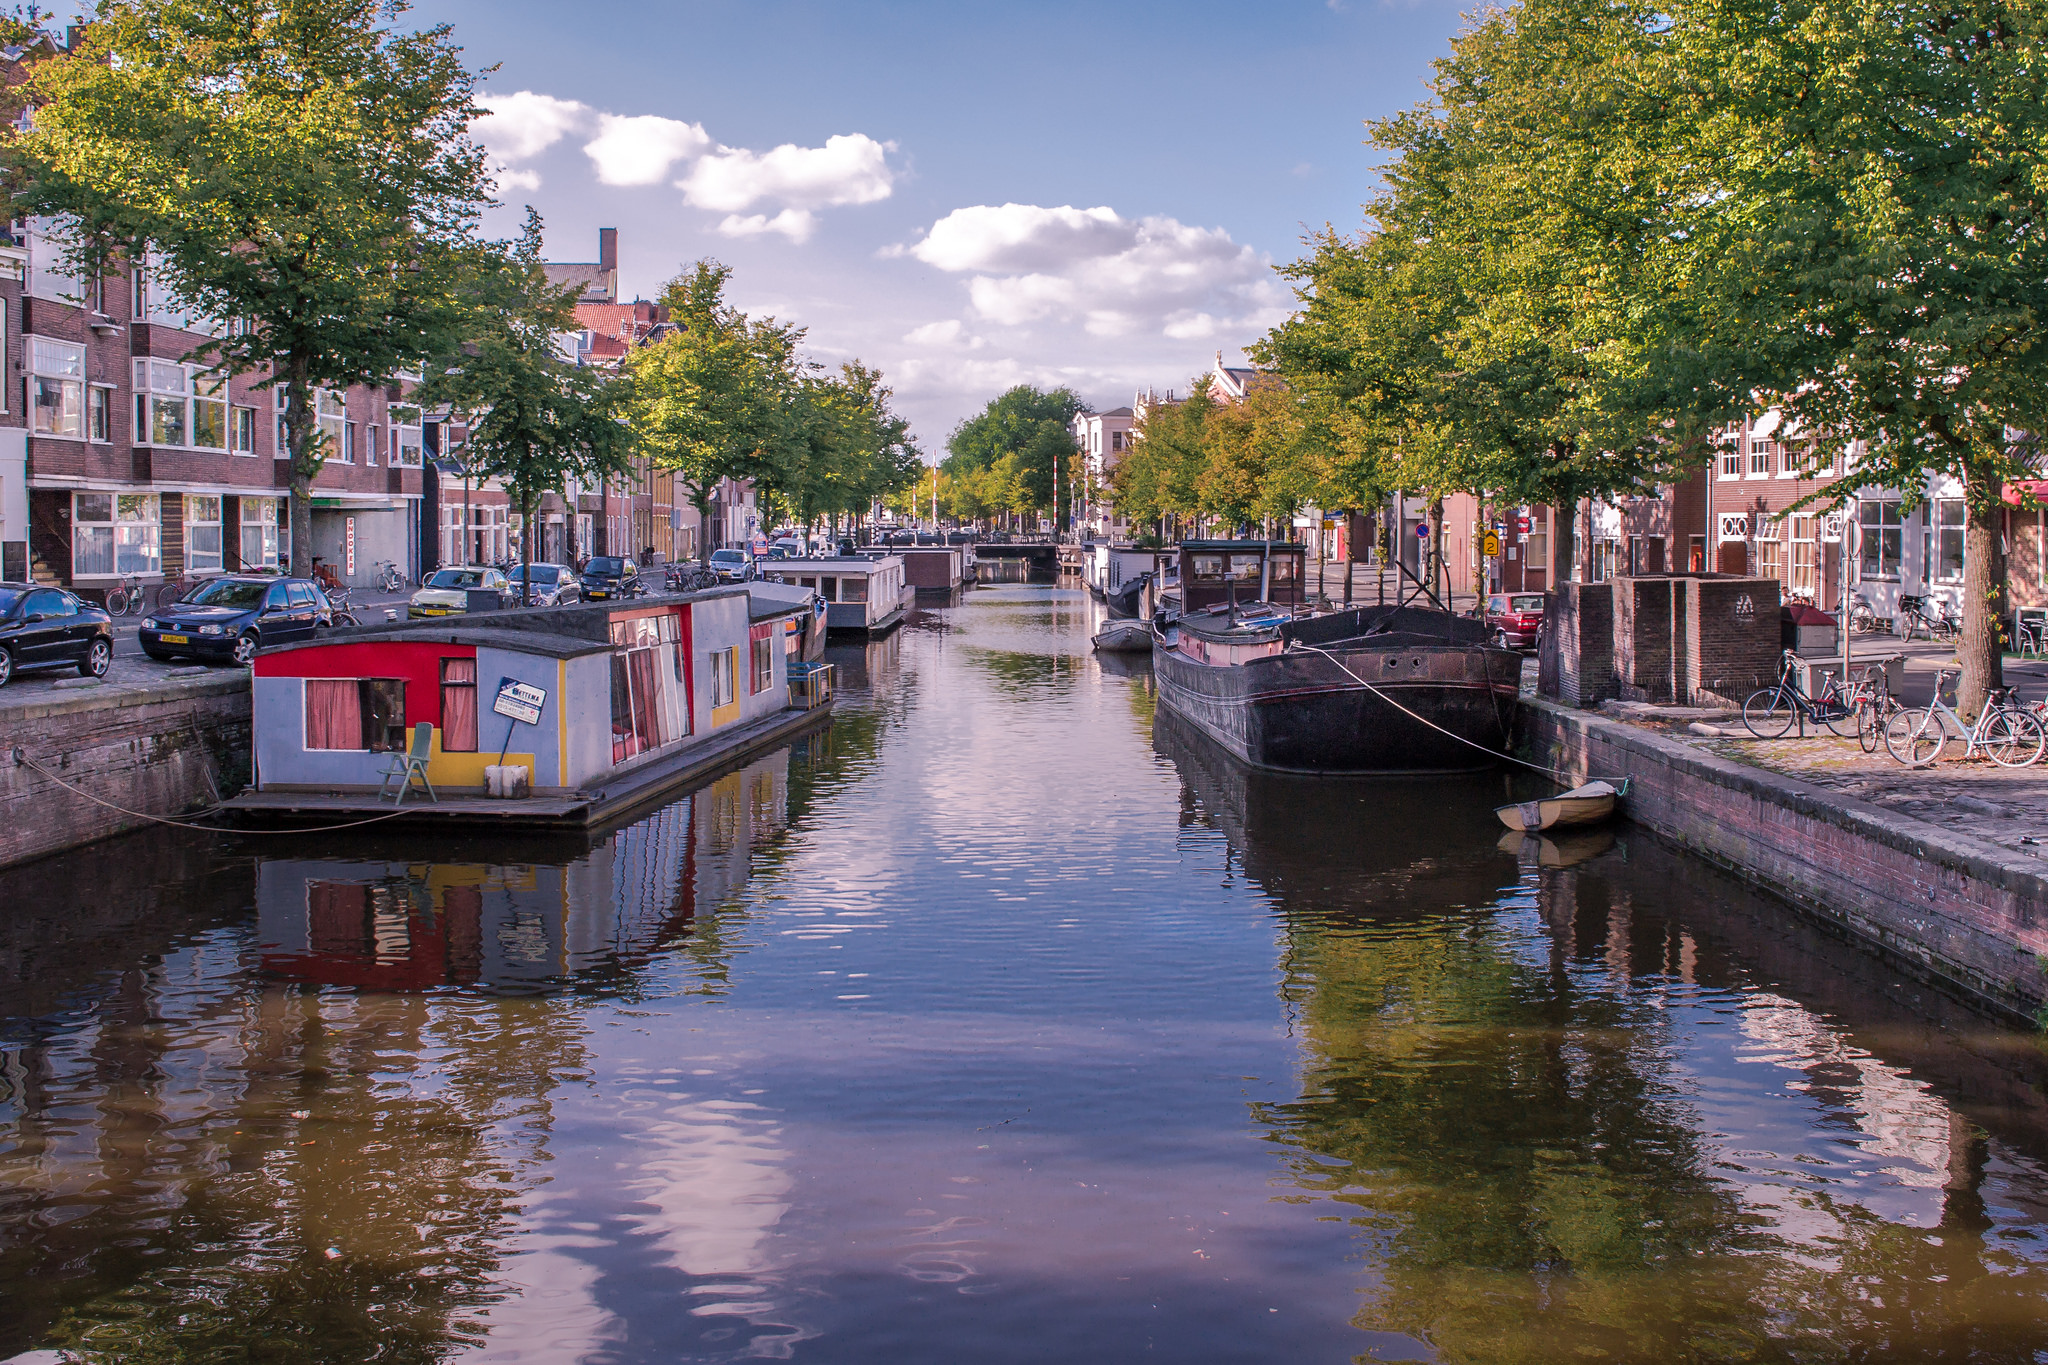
[[1827, 833], [163, 748]]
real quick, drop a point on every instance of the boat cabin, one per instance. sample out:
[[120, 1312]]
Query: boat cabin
[[1220, 571], [1107, 568], [862, 596], [577, 695]]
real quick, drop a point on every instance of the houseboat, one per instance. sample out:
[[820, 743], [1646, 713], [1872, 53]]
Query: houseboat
[[1373, 690], [937, 569], [601, 708], [862, 596], [1217, 572], [1111, 569]]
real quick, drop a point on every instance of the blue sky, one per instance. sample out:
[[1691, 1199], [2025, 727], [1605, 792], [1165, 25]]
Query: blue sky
[[968, 196]]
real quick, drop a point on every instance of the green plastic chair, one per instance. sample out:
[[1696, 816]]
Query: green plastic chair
[[410, 764]]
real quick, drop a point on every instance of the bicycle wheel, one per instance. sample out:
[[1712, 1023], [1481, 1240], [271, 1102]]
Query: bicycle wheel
[[1769, 712], [1871, 715], [1914, 736], [117, 602], [169, 595], [1838, 713], [2014, 739]]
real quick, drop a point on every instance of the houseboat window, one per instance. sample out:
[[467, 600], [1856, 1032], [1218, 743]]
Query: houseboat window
[[853, 590], [355, 713], [1208, 567], [762, 643], [722, 663], [650, 704], [458, 706]]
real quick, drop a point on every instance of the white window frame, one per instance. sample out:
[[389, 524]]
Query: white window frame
[[1939, 530], [1734, 526], [187, 391], [276, 551], [199, 561], [408, 445], [134, 534], [238, 418], [1762, 451], [104, 393], [62, 364]]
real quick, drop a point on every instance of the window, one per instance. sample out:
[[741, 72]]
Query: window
[[92, 534], [1731, 453], [1735, 526], [355, 713], [329, 416], [1770, 552], [1805, 557], [458, 706], [114, 533], [1536, 552], [1116, 440], [348, 442], [179, 405], [370, 435], [99, 414], [57, 387], [1883, 537], [202, 533], [266, 537], [722, 666], [242, 431], [1760, 456], [853, 589], [761, 646], [405, 436], [1948, 540], [650, 696]]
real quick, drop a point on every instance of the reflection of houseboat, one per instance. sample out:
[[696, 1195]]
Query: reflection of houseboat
[[605, 705], [862, 596], [1375, 690]]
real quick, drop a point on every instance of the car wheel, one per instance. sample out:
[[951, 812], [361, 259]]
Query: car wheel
[[6, 667], [99, 657], [246, 647]]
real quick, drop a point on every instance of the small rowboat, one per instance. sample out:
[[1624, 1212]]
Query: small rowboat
[[1125, 637], [1587, 805]]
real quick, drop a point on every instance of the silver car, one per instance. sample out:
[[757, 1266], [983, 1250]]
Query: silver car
[[546, 585], [447, 591]]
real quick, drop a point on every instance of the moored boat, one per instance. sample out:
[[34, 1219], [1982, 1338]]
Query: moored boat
[[1124, 637], [1587, 805], [1384, 689]]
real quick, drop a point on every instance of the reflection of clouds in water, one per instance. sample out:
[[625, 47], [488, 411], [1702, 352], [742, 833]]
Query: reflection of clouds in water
[[712, 1174], [550, 1313]]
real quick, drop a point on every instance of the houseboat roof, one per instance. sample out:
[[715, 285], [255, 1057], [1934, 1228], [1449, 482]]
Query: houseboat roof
[[1243, 546], [849, 565], [544, 643]]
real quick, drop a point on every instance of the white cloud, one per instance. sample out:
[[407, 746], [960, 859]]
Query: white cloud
[[520, 126], [952, 333], [795, 224], [517, 180], [639, 150], [1116, 276], [851, 168]]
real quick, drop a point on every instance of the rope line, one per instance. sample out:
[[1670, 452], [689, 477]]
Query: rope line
[[1551, 773], [28, 762]]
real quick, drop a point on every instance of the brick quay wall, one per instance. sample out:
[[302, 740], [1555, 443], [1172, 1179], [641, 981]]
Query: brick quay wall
[[165, 749], [1954, 909]]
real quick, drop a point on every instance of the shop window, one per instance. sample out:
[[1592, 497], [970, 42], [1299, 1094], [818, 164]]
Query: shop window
[[1948, 540], [266, 536], [355, 713], [202, 533], [114, 533], [56, 387], [458, 706], [1883, 536]]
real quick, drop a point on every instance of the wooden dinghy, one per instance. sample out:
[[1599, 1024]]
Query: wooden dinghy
[[1587, 805], [1125, 637]]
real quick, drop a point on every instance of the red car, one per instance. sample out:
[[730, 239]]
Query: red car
[[1516, 617]]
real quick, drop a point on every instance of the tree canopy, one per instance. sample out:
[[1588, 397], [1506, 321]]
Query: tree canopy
[[1004, 458]]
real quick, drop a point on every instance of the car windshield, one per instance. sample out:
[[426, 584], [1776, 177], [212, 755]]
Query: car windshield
[[228, 592], [1530, 602], [539, 573], [728, 556], [457, 578], [605, 564], [8, 597]]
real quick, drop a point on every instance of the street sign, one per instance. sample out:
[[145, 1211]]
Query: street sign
[[1490, 546], [1422, 530], [1521, 526], [521, 701]]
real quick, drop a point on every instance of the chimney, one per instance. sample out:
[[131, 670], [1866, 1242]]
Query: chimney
[[607, 249]]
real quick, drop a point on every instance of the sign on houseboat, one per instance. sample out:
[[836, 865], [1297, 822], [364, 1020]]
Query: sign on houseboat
[[521, 701]]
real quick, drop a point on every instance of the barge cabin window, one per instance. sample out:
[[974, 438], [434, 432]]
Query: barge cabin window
[[650, 693], [458, 706], [762, 646], [723, 663], [355, 713]]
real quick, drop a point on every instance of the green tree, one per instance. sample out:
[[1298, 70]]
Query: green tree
[[718, 398], [300, 168], [537, 419], [1026, 434]]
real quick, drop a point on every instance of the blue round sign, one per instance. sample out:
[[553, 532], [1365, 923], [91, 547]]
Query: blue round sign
[[1422, 530]]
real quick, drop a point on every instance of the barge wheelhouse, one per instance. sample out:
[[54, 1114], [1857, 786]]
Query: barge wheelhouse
[[862, 596]]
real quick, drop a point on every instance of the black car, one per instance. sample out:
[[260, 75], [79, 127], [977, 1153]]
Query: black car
[[606, 577], [545, 585], [228, 619], [44, 627]]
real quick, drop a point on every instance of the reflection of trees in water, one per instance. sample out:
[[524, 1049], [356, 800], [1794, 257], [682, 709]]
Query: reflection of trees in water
[[1495, 1083]]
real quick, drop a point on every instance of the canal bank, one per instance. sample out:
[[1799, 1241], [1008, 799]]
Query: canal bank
[[84, 761], [1951, 907]]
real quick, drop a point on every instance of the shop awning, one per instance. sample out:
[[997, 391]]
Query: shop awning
[[2027, 492]]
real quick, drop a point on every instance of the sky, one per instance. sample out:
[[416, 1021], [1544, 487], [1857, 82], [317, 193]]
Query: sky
[[966, 196]]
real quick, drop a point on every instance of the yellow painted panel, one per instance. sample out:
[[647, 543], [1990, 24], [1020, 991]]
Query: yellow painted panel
[[724, 715], [467, 770], [562, 723]]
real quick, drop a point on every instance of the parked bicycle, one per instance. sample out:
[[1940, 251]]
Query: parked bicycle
[[1937, 622], [1770, 711], [172, 590], [126, 600], [1863, 618], [2007, 733], [389, 579], [689, 577]]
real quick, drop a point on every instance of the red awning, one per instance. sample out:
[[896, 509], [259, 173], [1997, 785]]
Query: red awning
[[2030, 492]]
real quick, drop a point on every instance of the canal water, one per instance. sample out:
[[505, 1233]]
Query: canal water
[[1003, 1022]]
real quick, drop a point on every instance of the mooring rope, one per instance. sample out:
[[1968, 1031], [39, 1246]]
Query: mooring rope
[[27, 762], [1551, 773]]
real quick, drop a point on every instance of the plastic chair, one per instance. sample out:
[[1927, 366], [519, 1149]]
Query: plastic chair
[[410, 764], [2031, 626]]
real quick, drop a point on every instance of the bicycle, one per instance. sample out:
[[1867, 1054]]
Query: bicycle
[[1864, 620], [172, 590], [389, 579], [2007, 733], [126, 600], [689, 578], [1913, 610], [1770, 711]]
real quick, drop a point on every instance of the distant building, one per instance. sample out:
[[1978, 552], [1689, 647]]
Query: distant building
[[596, 281], [1103, 437]]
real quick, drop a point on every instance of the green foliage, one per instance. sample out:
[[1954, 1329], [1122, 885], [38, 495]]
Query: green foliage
[[1009, 451], [299, 166]]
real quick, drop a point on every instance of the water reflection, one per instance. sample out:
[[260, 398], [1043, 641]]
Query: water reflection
[[1569, 1118]]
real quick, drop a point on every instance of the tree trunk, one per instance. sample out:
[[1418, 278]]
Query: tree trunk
[[302, 439], [1564, 533], [525, 546], [700, 498], [1980, 650]]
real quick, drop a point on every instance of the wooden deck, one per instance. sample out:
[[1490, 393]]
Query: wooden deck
[[626, 795]]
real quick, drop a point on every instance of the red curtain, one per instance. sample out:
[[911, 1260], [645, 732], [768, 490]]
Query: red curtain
[[334, 714], [458, 706], [646, 711]]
